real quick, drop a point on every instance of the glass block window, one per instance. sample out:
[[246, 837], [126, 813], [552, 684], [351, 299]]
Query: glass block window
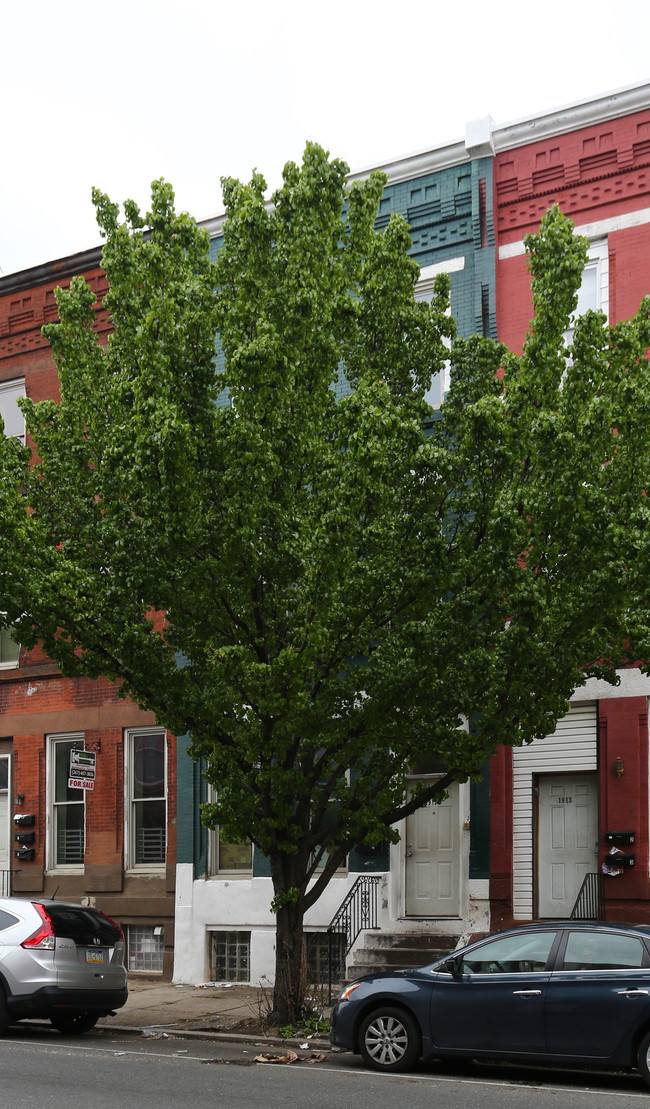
[[145, 947], [230, 956]]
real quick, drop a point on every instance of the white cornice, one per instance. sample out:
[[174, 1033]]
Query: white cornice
[[483, 138], [415, 165], [582, 113]]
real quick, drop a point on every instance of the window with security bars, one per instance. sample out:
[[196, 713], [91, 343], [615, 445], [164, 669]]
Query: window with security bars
[[318, 956], [68, 807], [145, 947], [147, 801], [230, 956]]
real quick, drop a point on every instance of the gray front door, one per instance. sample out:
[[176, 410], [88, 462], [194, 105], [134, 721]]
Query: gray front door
[[567, 840], [433, 859]]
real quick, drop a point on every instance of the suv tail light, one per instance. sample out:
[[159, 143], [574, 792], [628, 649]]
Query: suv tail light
[[43, 937], [113, 922]]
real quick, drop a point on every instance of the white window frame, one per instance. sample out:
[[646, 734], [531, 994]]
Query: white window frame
[[10, 664], [9, 393], [435, 394], [53, 866], [130, 802], [597, 263], [214, 870]]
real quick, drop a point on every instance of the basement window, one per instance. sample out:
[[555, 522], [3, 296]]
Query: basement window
[[318, 956], [230, 956], [146, 947]]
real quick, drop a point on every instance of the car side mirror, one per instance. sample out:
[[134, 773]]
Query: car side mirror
[[452, 965]]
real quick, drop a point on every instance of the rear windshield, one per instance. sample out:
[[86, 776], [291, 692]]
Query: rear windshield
[[84, 926]]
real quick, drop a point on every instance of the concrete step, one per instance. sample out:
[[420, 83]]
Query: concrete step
[[398, 950]]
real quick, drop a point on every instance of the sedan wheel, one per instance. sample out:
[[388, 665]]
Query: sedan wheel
[[389, 1040]]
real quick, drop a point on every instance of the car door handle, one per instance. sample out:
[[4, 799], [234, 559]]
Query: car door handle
[[526, 993], [633, 993]]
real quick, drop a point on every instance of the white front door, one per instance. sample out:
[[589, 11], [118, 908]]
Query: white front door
[[567, 840], [433, 859]]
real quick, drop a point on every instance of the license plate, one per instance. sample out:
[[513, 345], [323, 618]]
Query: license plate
[[93, 956]]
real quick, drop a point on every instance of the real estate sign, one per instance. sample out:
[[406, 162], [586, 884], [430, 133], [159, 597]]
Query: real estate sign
[[82, 769]]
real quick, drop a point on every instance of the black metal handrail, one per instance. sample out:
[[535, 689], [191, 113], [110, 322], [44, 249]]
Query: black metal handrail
[[5, 883], [590, 900], [357, 912]]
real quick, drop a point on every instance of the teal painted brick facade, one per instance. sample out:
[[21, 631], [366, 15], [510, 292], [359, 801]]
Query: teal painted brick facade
[[450, 215]]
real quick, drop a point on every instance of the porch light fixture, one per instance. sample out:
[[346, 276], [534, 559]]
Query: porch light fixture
[[19, 799], [619, 767]]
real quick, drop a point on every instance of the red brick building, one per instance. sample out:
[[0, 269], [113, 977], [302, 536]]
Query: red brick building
[[114, 843], [561, 806]]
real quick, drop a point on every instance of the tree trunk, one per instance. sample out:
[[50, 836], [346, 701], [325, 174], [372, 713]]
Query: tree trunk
[[290, 968]]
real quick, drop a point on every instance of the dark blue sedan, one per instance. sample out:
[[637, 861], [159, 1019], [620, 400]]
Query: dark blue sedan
[[564, 993]]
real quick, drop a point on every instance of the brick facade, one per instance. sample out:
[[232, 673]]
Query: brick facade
[[599, 174], [36, 702]]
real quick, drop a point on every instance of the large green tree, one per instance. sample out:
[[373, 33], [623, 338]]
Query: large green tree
[[341, 587]]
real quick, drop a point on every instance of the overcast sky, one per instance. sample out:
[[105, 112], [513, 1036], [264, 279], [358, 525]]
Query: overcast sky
[[116, 94]]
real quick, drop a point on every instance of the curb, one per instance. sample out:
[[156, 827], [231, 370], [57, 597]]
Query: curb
[[160, 1030]]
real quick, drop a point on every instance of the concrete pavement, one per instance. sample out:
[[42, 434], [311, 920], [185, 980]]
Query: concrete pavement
[[219, 1011]]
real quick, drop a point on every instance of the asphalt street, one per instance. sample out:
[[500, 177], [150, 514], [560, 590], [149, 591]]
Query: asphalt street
[[106, 1069]]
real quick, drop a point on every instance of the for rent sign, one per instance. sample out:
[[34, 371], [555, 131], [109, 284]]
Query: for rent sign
[[82, 770]]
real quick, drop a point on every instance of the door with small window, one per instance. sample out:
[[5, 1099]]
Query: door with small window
[[5, 830]]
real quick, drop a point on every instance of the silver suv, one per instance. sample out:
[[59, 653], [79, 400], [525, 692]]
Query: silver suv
[[59, 961]]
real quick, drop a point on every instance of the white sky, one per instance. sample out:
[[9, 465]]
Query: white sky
[[116, 94]]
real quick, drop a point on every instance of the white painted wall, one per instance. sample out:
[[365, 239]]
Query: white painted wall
[[223, 904], [243, 904]]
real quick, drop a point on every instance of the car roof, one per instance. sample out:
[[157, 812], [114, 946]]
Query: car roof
[[12, 900], [587, 925]]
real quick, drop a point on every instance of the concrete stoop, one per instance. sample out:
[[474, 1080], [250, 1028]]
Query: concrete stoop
[[383, 951]]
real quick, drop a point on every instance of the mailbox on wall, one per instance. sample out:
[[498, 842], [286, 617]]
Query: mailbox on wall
[[24, 819], [619, 838], [25, 854], [620, 860]]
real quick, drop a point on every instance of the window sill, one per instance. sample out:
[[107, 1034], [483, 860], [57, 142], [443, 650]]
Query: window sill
[[230, 875], [146, 871]]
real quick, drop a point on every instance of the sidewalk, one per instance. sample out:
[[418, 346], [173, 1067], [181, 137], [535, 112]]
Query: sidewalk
[[158, 1008]]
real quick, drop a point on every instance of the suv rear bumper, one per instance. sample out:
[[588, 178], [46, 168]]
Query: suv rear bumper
[[51, 999]]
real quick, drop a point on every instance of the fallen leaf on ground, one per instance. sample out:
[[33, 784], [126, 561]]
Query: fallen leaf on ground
[[269, 1057]]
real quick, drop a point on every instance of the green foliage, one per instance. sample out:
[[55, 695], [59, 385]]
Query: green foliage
[[313, 1025], [341, 589]]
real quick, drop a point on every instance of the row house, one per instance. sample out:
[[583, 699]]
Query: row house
[[109, 840], [514, 846], [224, 927], [520, 844], [576, 803]]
